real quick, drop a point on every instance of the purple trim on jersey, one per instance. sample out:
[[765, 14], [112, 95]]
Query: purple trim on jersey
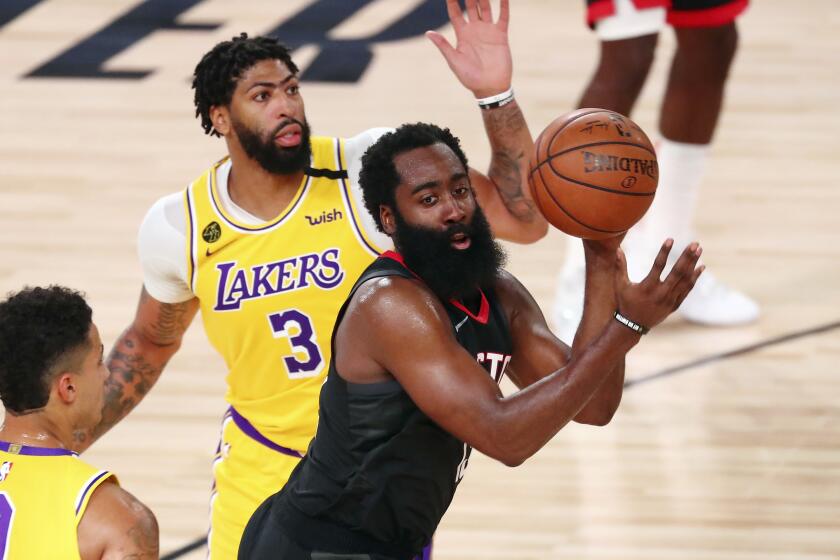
[[247, 229], [426, 554], [35, 451], [192, 226], [96, 479], [249, 430], [345, 191]]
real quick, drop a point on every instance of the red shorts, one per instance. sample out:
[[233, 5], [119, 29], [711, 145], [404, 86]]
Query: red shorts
[[681, 13]]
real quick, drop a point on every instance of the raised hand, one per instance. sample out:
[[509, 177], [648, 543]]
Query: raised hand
[[650, 301], [481, 58]]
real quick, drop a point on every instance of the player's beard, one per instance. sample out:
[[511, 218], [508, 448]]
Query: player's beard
[[271, 157], [451, 272]]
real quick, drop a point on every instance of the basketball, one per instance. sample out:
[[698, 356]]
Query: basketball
[[593, 173]]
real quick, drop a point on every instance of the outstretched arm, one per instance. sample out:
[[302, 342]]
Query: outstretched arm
[[139, 356], [481, 61], [407, 334]]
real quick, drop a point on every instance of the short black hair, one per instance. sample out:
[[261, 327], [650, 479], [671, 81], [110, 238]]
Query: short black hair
[[39, 329], [378, 177], [216, 74]]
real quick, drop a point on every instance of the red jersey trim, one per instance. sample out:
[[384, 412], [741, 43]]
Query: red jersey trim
[[712, 17], [483, 309]]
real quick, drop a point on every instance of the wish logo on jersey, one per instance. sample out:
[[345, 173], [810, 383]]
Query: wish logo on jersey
[[241, 284]]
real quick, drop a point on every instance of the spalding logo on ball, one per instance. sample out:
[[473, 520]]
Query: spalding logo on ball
[[593, 173]]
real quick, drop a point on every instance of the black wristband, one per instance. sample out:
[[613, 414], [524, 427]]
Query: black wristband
[[632, 325]]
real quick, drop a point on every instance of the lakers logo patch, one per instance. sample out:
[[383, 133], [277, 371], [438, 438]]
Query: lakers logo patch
[[212, 232]]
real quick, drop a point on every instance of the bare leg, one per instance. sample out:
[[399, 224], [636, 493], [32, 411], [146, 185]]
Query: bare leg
[[694, 94], [623, 67], [689, 115]]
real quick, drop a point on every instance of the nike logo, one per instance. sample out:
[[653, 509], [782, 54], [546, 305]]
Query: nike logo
[[461, 324], [210, 253]]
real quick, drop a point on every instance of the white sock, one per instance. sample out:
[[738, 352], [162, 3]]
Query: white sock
[[681, 169]]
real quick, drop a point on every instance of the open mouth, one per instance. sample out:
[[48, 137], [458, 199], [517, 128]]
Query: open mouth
[[289, 136], [460, 241]]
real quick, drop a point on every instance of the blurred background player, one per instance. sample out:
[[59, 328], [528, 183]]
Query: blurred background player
[[269, 240], [707, 39], [52, 383]]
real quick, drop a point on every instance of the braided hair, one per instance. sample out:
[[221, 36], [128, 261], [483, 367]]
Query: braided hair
[[215, 76]]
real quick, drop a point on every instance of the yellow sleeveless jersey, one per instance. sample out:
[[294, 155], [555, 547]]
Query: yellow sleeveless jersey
[[270, 293], [43, 494]]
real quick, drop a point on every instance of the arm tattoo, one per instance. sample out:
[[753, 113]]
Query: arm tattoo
[[171, 322], [130, 379], [134, 368], [505, 129]]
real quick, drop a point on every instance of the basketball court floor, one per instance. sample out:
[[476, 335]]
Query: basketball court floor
[[727, 443]]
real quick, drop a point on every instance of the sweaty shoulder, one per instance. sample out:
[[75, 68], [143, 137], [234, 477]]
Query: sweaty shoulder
[[354, 148], [386, 317], [117, 521], [161, 246], [386, 302]]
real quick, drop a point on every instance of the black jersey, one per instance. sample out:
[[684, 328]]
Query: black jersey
[[380, 474]]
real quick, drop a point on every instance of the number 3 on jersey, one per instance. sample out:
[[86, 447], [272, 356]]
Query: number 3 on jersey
[[306, 359]]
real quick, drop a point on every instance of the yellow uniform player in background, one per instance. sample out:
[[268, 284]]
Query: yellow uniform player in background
[[268, 242], [52, 382]]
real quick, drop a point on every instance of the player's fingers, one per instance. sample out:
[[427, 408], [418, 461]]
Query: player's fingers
[[504, 14], [485, 12], [445, 48], [621, 276], [472, 10], [456, 16], [685, 264], [689, 284], [660, 261]]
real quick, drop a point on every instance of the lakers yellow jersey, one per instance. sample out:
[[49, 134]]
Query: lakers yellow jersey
[[269, 293], [43, 494]]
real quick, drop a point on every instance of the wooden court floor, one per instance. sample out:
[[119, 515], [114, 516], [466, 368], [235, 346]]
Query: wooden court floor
[[711, 456]]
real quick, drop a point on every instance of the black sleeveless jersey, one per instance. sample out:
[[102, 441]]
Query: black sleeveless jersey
[[380, 474]]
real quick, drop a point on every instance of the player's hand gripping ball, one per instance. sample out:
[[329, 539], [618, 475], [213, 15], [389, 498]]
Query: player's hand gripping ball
[[593, 173]]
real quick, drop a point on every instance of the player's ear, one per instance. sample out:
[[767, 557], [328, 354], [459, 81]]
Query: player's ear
[[65, 386], [386, 216], [220, 117]]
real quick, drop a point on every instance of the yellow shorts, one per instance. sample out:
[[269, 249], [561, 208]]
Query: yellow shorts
[[245, 472]]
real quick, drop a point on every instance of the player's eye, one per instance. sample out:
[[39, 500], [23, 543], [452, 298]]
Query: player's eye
[[261, 96], [461, 191], [293, 89], [428, 200]]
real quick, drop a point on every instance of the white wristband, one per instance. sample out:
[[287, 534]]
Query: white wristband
[[498, 100]]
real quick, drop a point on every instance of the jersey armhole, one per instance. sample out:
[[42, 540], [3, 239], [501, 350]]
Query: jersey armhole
[[364, 228], [189, 210], [87, 490]]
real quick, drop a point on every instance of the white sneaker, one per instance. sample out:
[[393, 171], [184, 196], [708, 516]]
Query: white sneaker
[[711, 302], [715, 304]]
